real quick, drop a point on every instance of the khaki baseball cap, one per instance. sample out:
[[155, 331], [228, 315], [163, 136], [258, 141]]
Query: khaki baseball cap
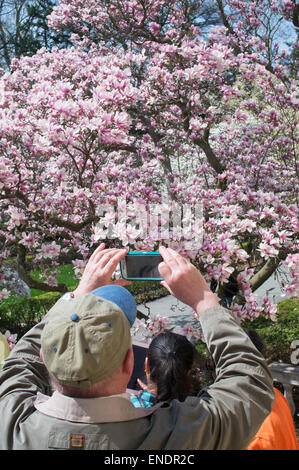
[[85, 340]]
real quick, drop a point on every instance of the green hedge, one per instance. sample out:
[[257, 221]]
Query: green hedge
[[277, 336], [144, 291], [19, 314]]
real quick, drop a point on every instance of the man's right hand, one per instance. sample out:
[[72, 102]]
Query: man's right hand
[[185, 282], [99, 269]]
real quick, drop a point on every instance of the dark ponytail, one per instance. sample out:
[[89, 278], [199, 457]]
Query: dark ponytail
[[170, 359]]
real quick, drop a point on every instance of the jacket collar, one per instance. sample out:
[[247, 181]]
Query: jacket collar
[[115, 408]]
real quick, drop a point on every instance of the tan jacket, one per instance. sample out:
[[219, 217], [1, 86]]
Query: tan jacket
[[226, 415]]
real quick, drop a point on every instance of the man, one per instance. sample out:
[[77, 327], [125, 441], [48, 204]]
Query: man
[[86, 349]]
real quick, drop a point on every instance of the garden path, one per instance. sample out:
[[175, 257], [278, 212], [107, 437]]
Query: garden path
[[180, 315]]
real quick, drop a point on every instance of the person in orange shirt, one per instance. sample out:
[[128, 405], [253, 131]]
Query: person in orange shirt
[[277, 431]]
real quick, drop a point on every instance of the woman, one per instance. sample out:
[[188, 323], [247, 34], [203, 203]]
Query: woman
[[167, 366]]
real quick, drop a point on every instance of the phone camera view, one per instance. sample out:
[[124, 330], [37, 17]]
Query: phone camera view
[[143, 267]]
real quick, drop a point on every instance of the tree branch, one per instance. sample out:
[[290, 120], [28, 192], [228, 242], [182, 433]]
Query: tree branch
[[266, 271], [296, 14], [203, 143], [224, 19], [157, 140], [75, 227]]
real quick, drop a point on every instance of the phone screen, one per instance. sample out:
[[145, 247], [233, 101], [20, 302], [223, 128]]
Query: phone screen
[[141, 266], [140, 353]]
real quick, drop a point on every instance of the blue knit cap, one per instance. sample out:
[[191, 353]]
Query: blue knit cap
[[121, 297]]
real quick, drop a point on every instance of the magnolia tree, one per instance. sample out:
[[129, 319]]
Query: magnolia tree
[[149, 131]]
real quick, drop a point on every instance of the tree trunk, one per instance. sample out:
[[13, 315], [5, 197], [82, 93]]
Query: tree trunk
[[32, 283]]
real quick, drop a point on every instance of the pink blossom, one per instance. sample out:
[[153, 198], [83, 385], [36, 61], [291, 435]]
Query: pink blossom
[[79, 266], [49, 250], [4, 294], [51, 281], [192, 333], [170, 115], [151, 327], [17, 216], [28, 240], [11, 339], [267, 250]]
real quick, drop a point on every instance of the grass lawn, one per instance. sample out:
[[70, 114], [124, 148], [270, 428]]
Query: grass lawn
[[66, 275]]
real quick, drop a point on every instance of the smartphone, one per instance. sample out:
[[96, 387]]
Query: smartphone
[[140, 352], [141, 266]]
